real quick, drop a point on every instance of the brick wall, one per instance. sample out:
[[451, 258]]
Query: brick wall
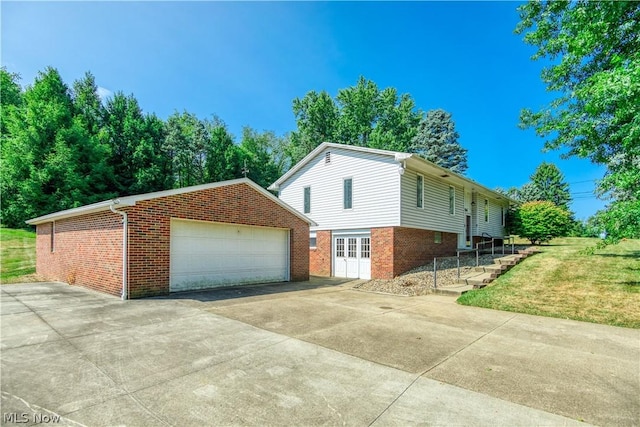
[[414, 247], [320, 257], [87, 252], [395, 250], [382, 253], [150, 222], [88, 248]]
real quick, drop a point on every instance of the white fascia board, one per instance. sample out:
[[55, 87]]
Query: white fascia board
[[82, 210]]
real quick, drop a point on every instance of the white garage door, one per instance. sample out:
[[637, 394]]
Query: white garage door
[[207, 255]]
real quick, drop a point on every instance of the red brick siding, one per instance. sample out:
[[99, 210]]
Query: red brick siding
[[150, 221], [87, 252], [382, 253], [320, 257], [415, 247]]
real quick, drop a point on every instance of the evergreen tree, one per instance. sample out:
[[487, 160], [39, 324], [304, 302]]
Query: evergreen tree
[[437, 141], [549, 185]]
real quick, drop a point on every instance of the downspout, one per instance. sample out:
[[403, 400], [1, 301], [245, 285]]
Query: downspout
[[125, 227]]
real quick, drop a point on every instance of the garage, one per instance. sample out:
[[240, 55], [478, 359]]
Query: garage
[[206, 255], [218, 234]]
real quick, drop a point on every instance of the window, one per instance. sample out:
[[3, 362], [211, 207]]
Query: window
[[502, 215], [352, 247], [486, 210], [365, 247], [348, 193], [327, 157], [452, 201], [340, 247], [312, 240], [53, 237], [438, 237], [419, 191], [307, 200]]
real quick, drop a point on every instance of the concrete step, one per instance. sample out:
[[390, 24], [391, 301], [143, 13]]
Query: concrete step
[[495, 268], [454, 291], [482, 275], [477, 278]]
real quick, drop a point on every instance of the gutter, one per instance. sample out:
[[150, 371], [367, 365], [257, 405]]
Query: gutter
[[125, 234]]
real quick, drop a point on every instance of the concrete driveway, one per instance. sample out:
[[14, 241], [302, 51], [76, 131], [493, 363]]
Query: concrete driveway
[[304, 354]]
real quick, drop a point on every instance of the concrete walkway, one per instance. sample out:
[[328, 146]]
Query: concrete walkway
[[305, 354]]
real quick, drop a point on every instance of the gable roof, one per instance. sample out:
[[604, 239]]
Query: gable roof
[[413, 160], [132, 200]]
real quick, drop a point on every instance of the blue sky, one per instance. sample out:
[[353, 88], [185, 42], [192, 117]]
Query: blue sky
[[246, 62]]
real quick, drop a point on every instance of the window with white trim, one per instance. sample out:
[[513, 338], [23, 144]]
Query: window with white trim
[[365, 247], [420, 191], [437, 238], [503, 215], [312, 240], [307, 200], [352, 247], [347, 194], [340, 247]]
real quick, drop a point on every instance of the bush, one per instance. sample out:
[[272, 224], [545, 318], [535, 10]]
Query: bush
[[542, 221]]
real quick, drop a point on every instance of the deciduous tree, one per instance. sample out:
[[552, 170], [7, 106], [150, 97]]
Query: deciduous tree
[[540, 221], [595, 71]]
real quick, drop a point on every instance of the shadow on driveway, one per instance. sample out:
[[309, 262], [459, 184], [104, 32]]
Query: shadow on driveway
[[245, 291]]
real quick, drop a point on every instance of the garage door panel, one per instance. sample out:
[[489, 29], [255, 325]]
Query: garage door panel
[[205, 255]]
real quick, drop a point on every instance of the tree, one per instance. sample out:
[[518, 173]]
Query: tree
[[397, 122], [257, 151], [222, 157], [10, 97], [437, 141], [317, 122], [360, 115], [549, 185], [596, 72], [540, 221], [50, 160], [186, 142]]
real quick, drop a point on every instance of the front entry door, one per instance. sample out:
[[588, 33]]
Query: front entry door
[[352, 257]]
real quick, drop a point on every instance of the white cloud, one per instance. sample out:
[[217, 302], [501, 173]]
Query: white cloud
[[104, 93]]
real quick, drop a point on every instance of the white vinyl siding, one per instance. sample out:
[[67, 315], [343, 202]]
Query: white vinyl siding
[[493, 226], [435, 213], [375, 190]]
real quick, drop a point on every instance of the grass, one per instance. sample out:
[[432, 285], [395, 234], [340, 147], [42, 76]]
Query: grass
[[560, 282], [17, 256]]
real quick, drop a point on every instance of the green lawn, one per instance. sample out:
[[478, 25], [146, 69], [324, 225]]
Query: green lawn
[[560, 282], [17, 255]]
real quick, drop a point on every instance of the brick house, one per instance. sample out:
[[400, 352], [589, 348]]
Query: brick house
[[231, 232], [380, 213]]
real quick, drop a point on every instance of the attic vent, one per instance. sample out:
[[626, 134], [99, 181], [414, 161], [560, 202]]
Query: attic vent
[[327, 158], [446, 175]]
